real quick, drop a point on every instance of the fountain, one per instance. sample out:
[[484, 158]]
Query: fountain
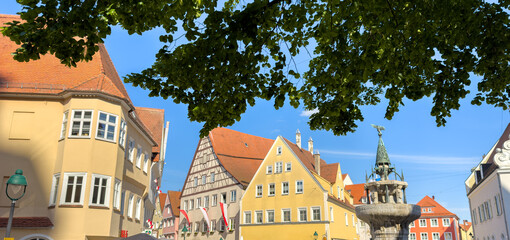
[[387, 211]]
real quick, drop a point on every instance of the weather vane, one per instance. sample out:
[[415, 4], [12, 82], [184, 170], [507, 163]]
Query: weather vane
[[379, 128]]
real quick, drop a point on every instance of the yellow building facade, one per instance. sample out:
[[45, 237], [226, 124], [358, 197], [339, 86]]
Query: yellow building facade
[[296, 195], [86, 153]]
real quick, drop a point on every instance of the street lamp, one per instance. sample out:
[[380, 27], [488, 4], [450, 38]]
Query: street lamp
[[16, 187], [315, 235]]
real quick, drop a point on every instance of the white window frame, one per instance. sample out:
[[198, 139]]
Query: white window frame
[[195, 181], [346, 220], [288, 167], [412, 236], [138, 209], [223, 197], [331, 214], [54, 189], [212, 177], [117, 188], [204, 179], [107, 191], [269, 189], [122, 202], [303, 187], [107, 123], [299, 214], [130, 205], [446, 222], [432, 220], [191, 204], [269, 169], [64, 188], [279, 150], [81, 120], [267, 215], [213, 226], [231, 224], [436, 234], [139, 154], [214, 200], [259, 192], [233, 196], [447, 234], [424, 234], [199, 202], [424, 221], [312, 217], [145, 162], [122, 133], [246, 213], [283, 214], [288, 188], [131, 150], [278, 167], [65, 119], [256, 217], [206, 201]]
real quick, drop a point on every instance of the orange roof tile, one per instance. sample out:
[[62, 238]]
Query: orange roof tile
[[329, 171], [344, 176], [465, 226], [239, 153], [357, 192], [162, 200], [175, 202], [153, 119], [48, 76], [437, 209]]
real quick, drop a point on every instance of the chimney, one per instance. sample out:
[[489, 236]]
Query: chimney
[[317, 158], [310, 145], [433, 197], [465, 222], [298, 139]]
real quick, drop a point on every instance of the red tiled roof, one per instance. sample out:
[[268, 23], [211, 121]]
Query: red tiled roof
[[175, 200], [329, 171], [344, 176], [27, 222], [466, 226], [162, 200], [239, 153], [357, 192], [47, 75], [437, 209], [345, 203], [153, 119]]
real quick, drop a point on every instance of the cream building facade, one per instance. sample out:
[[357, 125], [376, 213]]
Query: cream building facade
[[87, 155]]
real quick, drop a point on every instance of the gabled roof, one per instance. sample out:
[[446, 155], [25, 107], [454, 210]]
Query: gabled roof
[[357, 192], [465, 226], [153, 119], [162, 199], [437, 209], [175, 202], [48, 76], [239, 153], [329, 171]]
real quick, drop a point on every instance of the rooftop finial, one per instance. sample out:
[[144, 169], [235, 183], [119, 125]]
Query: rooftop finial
[[379, 128]]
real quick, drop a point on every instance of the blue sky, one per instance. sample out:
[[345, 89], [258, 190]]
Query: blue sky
[[435, 160]]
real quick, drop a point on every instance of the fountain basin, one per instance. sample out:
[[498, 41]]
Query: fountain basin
[[389, 221]]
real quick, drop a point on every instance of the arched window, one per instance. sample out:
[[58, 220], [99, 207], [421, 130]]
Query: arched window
[[36, 237]]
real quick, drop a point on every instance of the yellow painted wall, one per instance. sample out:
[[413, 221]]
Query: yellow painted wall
[[41, 153]]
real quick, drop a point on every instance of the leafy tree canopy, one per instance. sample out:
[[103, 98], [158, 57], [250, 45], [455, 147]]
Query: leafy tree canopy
[[237, 52]]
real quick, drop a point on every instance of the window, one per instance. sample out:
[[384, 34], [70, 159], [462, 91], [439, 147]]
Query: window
[[130, 206], [331, 214], [139, 157], [496, 203], [206, 201], [233, 195], [285, 188], [302, 214], [223, 197], [231, 224], [64, 125], [145, 162], [316, 213], [412, 236], [122, 201], [247, 217], [258, 192], [411, 224], [191, 204], [122, 134], [423, 222], [100, 190], [199, 202], [288, 167], [258, 217], [269, 169], [434, 223], [195, 182], [213, 226], [116, 194], [286, 215], [138, 208], [214, 200], [473, 215], [106, 125], [435, 236], [54, 189], [278, 167], [72, 190], [353, 222], [271, 189], [269, 216], [81, 121], [346, 220], [131, 150], [488, 209], [446, 222], [212, 177], [424, 236], [299, 186], [448, 236], [279, 150], [204, 226], [204, 179], [185, 206], [197, 227]]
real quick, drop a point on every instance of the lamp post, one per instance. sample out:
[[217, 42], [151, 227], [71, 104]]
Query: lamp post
[[315, 235], [16, 187]]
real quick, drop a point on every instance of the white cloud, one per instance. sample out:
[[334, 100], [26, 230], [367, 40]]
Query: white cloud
[[308, 113]]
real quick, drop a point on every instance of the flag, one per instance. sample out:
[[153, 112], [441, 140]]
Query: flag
[[185, 215], [225, 215], [206, 217]]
